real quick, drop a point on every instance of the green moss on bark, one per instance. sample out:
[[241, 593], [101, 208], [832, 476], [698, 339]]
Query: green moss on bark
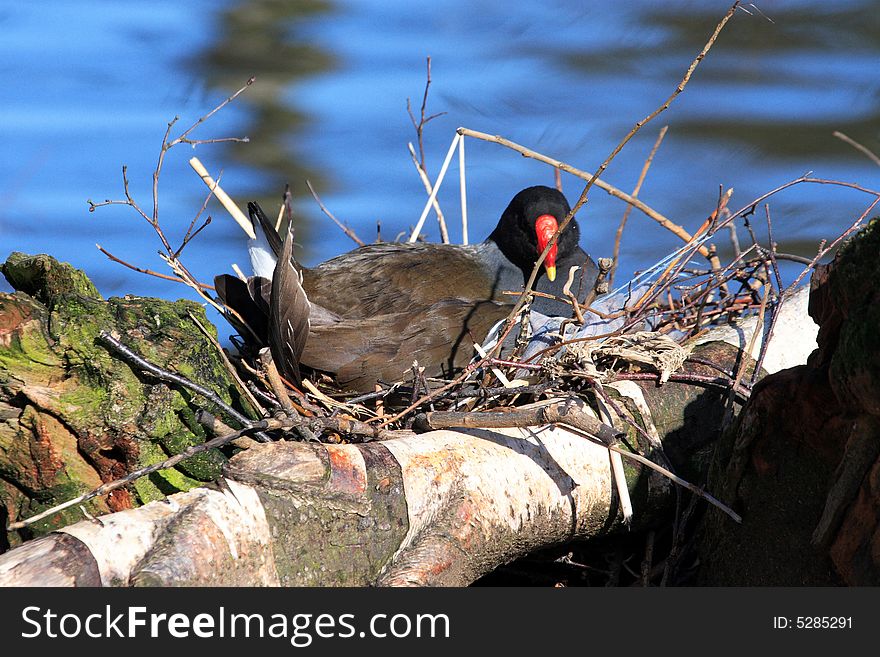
[[53, 369]]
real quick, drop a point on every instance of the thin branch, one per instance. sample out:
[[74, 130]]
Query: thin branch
[[563, 415], [852, 142], [229, 367], [219, 441], [444, 234], [423, 120], [635, 194], [132, 358], [149, 272], [345, 229]]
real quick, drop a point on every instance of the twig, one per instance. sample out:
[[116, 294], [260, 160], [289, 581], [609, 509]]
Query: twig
[[640, 205], [617, 237], [141, 472], [170, 377], [852, 142], [418, 228], [178, 268], [149, 272], [189, 231], [556, 413], [696, 379], [275, 382], [462, 188], [423, 121], [230, 205], [229, 367], [441, 220], [345, 229]]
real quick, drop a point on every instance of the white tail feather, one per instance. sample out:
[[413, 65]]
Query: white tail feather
[[262, 258]]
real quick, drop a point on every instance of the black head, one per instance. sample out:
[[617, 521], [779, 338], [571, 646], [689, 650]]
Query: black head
[[517, 235]]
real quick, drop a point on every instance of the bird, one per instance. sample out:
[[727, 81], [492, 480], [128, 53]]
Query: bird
[[371, 312]]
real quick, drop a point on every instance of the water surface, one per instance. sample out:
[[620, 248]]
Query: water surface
[[89, 86]]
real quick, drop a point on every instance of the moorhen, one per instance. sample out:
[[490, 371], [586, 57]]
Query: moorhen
[[375, 310]]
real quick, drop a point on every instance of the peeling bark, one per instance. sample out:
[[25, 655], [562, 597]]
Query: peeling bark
[[72, 416]]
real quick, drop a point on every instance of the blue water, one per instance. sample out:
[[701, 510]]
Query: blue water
[[88, 86]]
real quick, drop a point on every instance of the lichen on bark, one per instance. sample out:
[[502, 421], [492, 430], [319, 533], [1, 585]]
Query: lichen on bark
[[72, 415]]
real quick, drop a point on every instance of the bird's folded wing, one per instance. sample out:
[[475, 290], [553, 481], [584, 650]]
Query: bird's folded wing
[[289, 312]]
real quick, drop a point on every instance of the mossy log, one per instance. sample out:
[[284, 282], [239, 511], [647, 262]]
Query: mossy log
[[73, 416]]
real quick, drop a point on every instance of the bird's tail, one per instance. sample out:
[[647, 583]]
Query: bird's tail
[[266, 247]]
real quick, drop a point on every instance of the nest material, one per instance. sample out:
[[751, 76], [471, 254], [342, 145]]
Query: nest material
[[645, 349]]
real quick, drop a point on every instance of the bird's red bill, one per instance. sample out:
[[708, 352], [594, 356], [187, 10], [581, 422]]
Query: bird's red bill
[[545, 228]]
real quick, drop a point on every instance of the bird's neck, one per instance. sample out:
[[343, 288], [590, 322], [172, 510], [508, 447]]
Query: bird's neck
[[505, 274]]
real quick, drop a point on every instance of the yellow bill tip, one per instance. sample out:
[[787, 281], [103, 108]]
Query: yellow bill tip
[[551, 272]]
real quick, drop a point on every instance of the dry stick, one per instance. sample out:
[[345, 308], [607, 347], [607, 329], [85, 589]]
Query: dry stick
[[562, 414], [804, 179], [635, 194], [129, 200], [170, 255], [444, 234], [734, 242], [239, 273], [170, 377], [223, 197], [340, 425], [345, 229], [776, 308], [583, 197], [423, 121], [852, 142], [219, 428], [462, 187], [415, 233], [638, 126], [747, 355], [275, 382], [420, 135], [664, 221], [572, 299], [141, 472], [189, 231], [149, 272], [749, 208], [178, 268], [184, 139], [625, 416], [823, 252], [229, 367], [694, 379]]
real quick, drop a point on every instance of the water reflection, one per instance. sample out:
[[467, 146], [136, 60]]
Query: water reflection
[[262, 38], [564, 77]]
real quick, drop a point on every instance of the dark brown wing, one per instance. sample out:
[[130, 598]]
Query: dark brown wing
[[288, 315], [393, 278], [440, 337]]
